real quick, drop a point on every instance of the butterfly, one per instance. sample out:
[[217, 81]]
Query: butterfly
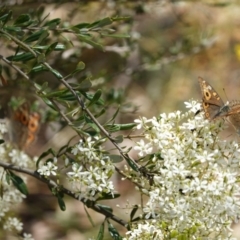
[[18, 107], [214, 106]]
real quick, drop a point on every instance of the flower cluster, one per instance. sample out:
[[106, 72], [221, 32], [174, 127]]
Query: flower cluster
[[195, 191], [90, 175], [11, 196]]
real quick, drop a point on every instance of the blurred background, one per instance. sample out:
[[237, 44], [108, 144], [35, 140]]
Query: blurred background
[[154, 71]]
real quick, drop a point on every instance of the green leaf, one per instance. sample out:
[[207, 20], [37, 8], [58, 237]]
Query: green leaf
[[105, 207], [118, 127], [114, 115], [132, 164], [115, 158], [2, 141], [95, 127], [59, 47], [113, 232], [35, 36], [88, 40], [56, 73], [5, 18], [95, 98], [49, 103], [81, 25], [38, 68], [50, 151], [100, 113], [134, 210], [51, 48], [80, 67], [18, 183], [116, 35], [65, 148], [101, 232], [119, 139], [21, 57], [112, 128], [23, 20], [52, 24], [42, 37], [83, 86], [89, 96], [61, 203], [101, 23], [106, 196], [89, 217]]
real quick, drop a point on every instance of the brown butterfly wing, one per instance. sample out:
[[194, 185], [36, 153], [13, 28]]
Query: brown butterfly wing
[[211, 101]]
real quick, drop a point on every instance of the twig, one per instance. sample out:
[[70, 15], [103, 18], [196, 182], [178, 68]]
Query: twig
[[53, 184]]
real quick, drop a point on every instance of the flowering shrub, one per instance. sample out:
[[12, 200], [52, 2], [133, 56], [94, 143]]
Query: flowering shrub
[[195, 191]]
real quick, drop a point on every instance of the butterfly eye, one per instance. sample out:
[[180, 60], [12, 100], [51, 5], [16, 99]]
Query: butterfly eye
[[21, 117], [24, 119], [33, 123]]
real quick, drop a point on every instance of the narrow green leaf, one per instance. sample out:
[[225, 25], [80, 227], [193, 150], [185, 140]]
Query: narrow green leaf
[[59, 47], [50, 151], [116, 35], [42, 37], [61, 203], [96, 97], [89, 96], [35, 36], [18, 183], [112, 128], [56, 73], [134, 210], [119, 139], [106, 196], [2, 141], [100, 113], [114, 115], [120, 18], [115, 158], [38, 68], [86, 39], [51, 48], [21, 57], [22, 20], [113, 232], [105, 207], [89, 217], [101, 23], [118, 127], [95, 127], [5, 18], [83, 86], [80, 67], [8, 178], [52, 24], [49, 103], [132, 164], [101, 232], [81, 25]]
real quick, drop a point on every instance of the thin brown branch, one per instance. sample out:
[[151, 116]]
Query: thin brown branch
[[53, 184]]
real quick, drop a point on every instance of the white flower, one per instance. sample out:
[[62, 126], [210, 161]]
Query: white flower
[[193, 106], [12, 224], [48, 169], [194, 176], [27, 236], [143, 148]]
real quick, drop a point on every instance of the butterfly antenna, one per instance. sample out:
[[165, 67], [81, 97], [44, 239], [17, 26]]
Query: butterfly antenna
[[225, 94]]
